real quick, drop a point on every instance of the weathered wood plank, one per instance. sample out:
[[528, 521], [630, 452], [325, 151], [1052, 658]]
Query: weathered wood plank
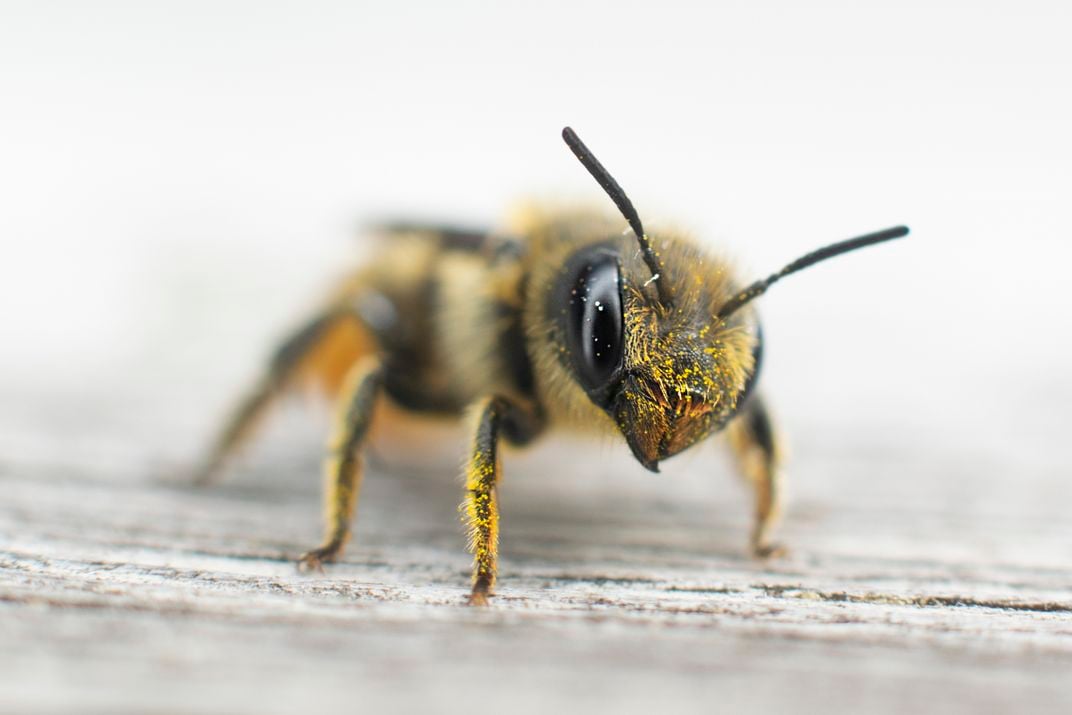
[[121, 591]]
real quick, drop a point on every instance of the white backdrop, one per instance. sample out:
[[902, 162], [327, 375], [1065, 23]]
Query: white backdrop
[[178, 180]]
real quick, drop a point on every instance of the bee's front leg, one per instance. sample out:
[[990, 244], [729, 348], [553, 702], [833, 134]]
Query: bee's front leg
[[343, 467], [756, 446], [480, 510]]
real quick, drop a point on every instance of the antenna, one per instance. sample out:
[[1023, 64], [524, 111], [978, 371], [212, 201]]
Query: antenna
[[617, 195], [835, 249]]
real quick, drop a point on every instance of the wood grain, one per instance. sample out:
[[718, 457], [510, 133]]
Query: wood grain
[[124, 590]]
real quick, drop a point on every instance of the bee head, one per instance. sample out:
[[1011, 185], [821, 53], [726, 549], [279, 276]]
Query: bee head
[[668, 375], [658, 338]]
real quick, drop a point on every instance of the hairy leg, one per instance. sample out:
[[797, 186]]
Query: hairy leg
[[318, 350], [343, 467], [493, 417], [756, 447]]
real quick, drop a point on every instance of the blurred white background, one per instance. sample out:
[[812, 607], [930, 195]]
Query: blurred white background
[[179, 181]]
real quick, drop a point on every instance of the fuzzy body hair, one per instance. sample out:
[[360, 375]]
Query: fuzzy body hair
[[457, 322]]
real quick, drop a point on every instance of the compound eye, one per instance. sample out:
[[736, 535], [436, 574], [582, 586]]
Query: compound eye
[[594, 332]]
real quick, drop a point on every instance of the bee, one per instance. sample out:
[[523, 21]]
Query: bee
[[568, 322]]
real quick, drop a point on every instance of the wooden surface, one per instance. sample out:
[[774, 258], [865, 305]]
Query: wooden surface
[[908, 586], [181, 182]]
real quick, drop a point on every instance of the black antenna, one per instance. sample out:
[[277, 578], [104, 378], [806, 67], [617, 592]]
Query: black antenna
[[835, 249], [617, 195]]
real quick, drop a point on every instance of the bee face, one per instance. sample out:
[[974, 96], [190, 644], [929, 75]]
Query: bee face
[[688, 353], [668, 375]]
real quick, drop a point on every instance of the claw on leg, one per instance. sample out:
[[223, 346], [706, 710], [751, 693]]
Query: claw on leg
[[315, 559], [769, 551], [477, 598], [481, 592]]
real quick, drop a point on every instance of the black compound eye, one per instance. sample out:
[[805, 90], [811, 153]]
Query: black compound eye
[[594, 333]]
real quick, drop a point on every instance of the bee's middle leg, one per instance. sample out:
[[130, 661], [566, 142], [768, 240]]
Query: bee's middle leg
[[756, 446], [343, 466]]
